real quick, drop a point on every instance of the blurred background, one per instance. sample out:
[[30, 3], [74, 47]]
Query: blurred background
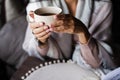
[[12, 11], [11, 35]]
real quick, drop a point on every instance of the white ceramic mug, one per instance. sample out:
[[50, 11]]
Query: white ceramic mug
[[46, 14]]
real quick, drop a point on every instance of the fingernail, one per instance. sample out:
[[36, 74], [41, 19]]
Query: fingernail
[[51, 29], [46, 27], [47, 30], [42, 23]]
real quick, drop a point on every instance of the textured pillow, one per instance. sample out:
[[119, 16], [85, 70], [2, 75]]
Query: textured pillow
[[60, 71]]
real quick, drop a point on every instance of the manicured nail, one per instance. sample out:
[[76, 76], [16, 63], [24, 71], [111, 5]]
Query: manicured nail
[[51, 29], [47, 30], [46, 27], [42, 23]]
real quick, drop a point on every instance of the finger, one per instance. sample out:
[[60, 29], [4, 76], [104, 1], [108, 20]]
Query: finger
[[44, 37], [31, 14], [70, 31], [62, 24], [57, 23], [65, 22], [68, 23], [30, 17], [40, 29], [50, 28], [62, 16], [36, 25], [43, 33], [59, 29]]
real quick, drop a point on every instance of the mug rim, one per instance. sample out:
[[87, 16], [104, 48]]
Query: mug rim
[[59, 10]]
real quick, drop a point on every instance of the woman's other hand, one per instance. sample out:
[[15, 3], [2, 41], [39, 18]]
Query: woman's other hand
[[66, 23]]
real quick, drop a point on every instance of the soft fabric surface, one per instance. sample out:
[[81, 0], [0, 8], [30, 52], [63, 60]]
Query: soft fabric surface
[[11, 39], [61, 71]]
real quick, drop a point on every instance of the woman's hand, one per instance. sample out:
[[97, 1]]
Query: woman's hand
[[66, 23], [40, 30]]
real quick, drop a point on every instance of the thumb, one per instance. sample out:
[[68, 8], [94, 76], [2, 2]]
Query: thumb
[[31, 14]]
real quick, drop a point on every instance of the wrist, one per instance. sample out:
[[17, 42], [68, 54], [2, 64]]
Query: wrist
[[42, 44], [43, 50], [83, 37]]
